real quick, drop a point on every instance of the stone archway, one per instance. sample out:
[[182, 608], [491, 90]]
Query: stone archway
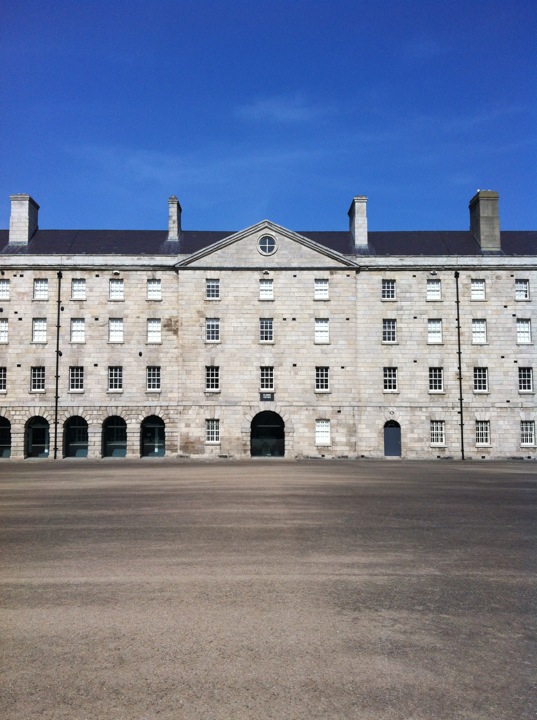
[[267, 435]]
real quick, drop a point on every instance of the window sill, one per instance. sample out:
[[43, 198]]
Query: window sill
[[212, 442], [530, 342], [438, 445], [115, 392], [480, 343], [39, 299], [77, 342], [154, 299], [116, 300], [213, 342], [390, 342], [321, 342], [215, 299], [323, 392], [266, 342], [154, 342], [39, 342], [478, 299], [266, 299], [391, 392], [526, 392], [437, 392], [38, 392], [481, 392], [321, 299], [526, 447], [325, 447], [153, 391], [435, 342], [212, 392], [388, 299], [483, 445], [523, 300], [116, 342], [75, 392], [433, 300], [78, 299]]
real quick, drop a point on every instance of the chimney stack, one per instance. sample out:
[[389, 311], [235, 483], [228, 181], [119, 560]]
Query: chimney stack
[[358, 222], [174, 218], [485, 220], [23, 220]]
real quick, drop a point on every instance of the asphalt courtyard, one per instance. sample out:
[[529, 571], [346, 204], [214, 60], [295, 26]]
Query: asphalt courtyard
[[268, 589]]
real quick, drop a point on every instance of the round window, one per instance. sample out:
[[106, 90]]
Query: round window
[[267, 245]]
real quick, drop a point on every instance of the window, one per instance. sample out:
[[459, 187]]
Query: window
[[522, 289], [267, 245], [154, 289], [115, 377], [117, 290], [266, 330], [525, 379], [212, 378], [267, 378], [389, 331], [41, 289], [322, 432], [523, 330], [76, 379], [481, 379], [212, 329], [434, 289], [78, 289], [477, 289], [322, 379], [78, 330], [37, 379], [212, 431], [434, 331], [3, 379], [4, 289], [4, 331], [438, 432], [115, 330], [212, 289], [482, 432], [153, 377], [322, 330], [154, 330], [39, 330], [320, 289], [390, 379], [479, 332], [436, 379], [527, 432], [388, 290], [266, 290]]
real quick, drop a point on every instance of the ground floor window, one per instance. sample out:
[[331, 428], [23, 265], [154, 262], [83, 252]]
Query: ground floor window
[[438, 432], [527, 432], [212, 431], [322, 432], [5, 438], [482, 432], [152, 437]]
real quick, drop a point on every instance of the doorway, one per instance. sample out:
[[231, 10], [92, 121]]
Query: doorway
[[75, 437], [152, 437], [267, 435], [37, 437], [114, 437], [392, 439]]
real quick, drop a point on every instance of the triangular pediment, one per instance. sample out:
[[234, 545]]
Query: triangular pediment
[[282, 248]]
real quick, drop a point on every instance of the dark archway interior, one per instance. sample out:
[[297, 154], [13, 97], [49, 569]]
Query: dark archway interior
[[267, 436]]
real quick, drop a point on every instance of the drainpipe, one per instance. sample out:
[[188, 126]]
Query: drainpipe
[[58, 354], [459, 354]]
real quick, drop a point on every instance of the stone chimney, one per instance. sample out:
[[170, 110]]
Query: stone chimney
[[485, 220], [358, 222], [174, 218], [23, 220]]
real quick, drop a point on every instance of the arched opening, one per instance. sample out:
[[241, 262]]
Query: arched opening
[[37, 437], [114, 437], [152, 437], [75, 437], [5, 438], [392, 439], [267, 435]]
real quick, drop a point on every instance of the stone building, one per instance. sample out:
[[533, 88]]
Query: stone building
[[267, 342]]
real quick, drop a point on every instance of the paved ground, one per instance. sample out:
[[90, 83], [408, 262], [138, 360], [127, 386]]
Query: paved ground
[[252, 590]]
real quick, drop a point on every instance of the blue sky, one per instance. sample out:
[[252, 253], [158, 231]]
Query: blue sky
[[277, 109]]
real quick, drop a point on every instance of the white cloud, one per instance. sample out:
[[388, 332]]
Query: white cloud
[[284, 109]]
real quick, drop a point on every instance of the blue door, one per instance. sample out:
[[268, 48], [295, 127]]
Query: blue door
[[392, 439]]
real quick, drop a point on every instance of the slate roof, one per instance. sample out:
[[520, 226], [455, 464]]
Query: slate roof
[[155, 242]]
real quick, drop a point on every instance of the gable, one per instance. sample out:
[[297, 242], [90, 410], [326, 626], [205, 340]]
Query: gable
[[266, 245]]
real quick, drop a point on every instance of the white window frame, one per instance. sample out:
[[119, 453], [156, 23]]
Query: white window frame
[[321, 289], [434, 331], [41, 289], [436, 379], [527, 433], [212, 378], [116, 330], [78, 289], [154, 331], [438, 432], [37, 378], [525, 379], [388, 289], [266, 330], [390, 379], [266, 289], [39, 330], [389, 331], [212, 431], [115, 378], [434, 289], [482, 433], [479, 331], [523, 331], [322, 331], [153, 378], [78, 330], [478, 289], [76, 378], [322, 433], [4, 331], [5, 288], [481, 379], [322, 379], [212, 330], [3, 379], [116, 290], [212, 288], [154, 289], [522, 289], [266, 378]]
